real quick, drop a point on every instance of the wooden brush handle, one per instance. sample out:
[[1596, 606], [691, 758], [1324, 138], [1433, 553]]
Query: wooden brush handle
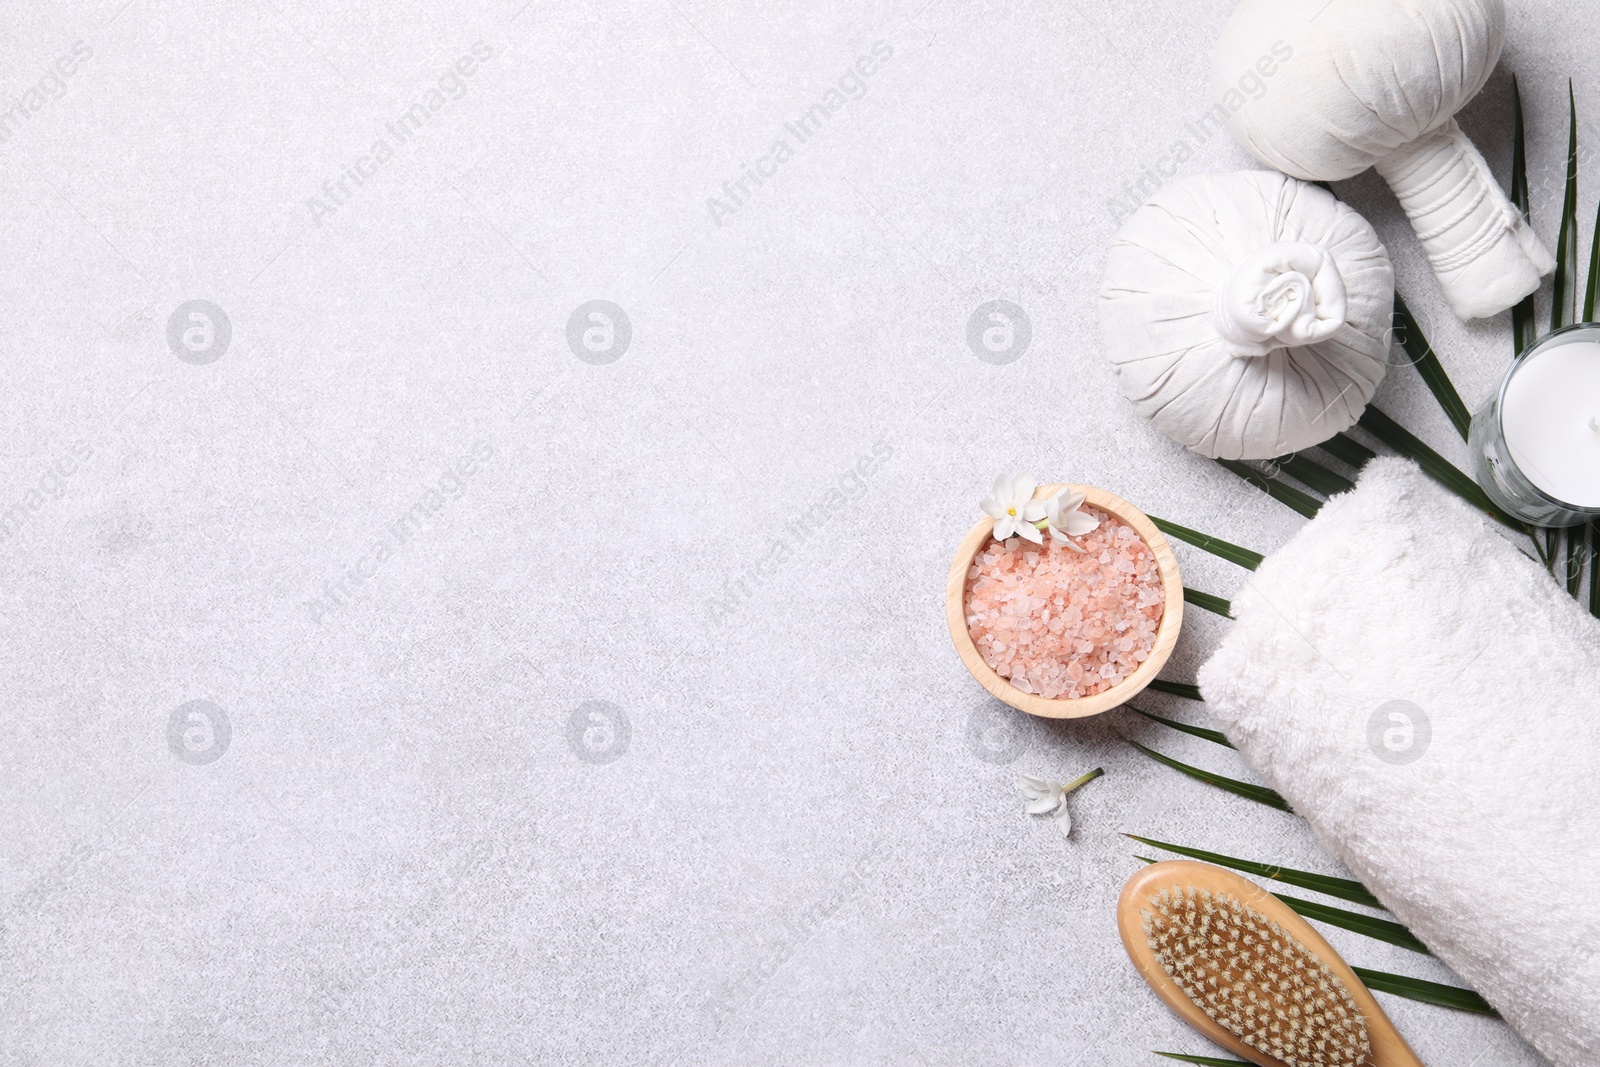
[[1389, 1049]]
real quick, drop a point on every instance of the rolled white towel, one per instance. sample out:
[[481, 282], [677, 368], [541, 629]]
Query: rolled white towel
[[1429, 700]]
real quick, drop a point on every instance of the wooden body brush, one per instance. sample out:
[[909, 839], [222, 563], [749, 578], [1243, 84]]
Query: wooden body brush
[[1247, 972]]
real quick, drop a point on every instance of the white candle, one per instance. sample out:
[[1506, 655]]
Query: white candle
[[1550, 417]]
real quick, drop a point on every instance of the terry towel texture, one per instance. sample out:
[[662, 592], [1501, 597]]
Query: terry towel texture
[[1472, 810]]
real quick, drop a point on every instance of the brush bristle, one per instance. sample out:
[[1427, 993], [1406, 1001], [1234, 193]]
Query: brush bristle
[[1253, 979]]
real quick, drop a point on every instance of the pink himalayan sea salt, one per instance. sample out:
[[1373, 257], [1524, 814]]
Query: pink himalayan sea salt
[[1065, 624]]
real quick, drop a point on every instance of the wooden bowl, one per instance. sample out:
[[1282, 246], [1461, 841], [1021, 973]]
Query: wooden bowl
[[1166, 634]]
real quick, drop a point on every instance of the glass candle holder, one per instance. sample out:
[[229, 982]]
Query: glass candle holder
[[1536, 443]]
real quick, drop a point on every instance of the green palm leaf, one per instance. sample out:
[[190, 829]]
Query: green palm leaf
[[1594, 570], [1594, 271], [1538, 547], [1446, 996], [1203, 1061], [1304, 503], [1326, 884], [1249, 790], [1563, 308], [1314, 475], [1575, 544], [1564, 295], [1177, 689], [1216, 737], [1426, 360], [1523, 329], [1367, 925], [1348, 450], [1244, 557], [1208, 601]]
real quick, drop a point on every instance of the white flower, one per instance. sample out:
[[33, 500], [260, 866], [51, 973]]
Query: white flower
[[1066, 521], [1050, 798], [1013, 508]]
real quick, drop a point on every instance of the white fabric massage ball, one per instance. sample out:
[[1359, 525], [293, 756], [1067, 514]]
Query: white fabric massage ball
[[1248, 314], [1376, 83]]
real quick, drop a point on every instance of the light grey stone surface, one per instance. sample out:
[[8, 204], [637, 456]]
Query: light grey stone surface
[[401, 536]]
